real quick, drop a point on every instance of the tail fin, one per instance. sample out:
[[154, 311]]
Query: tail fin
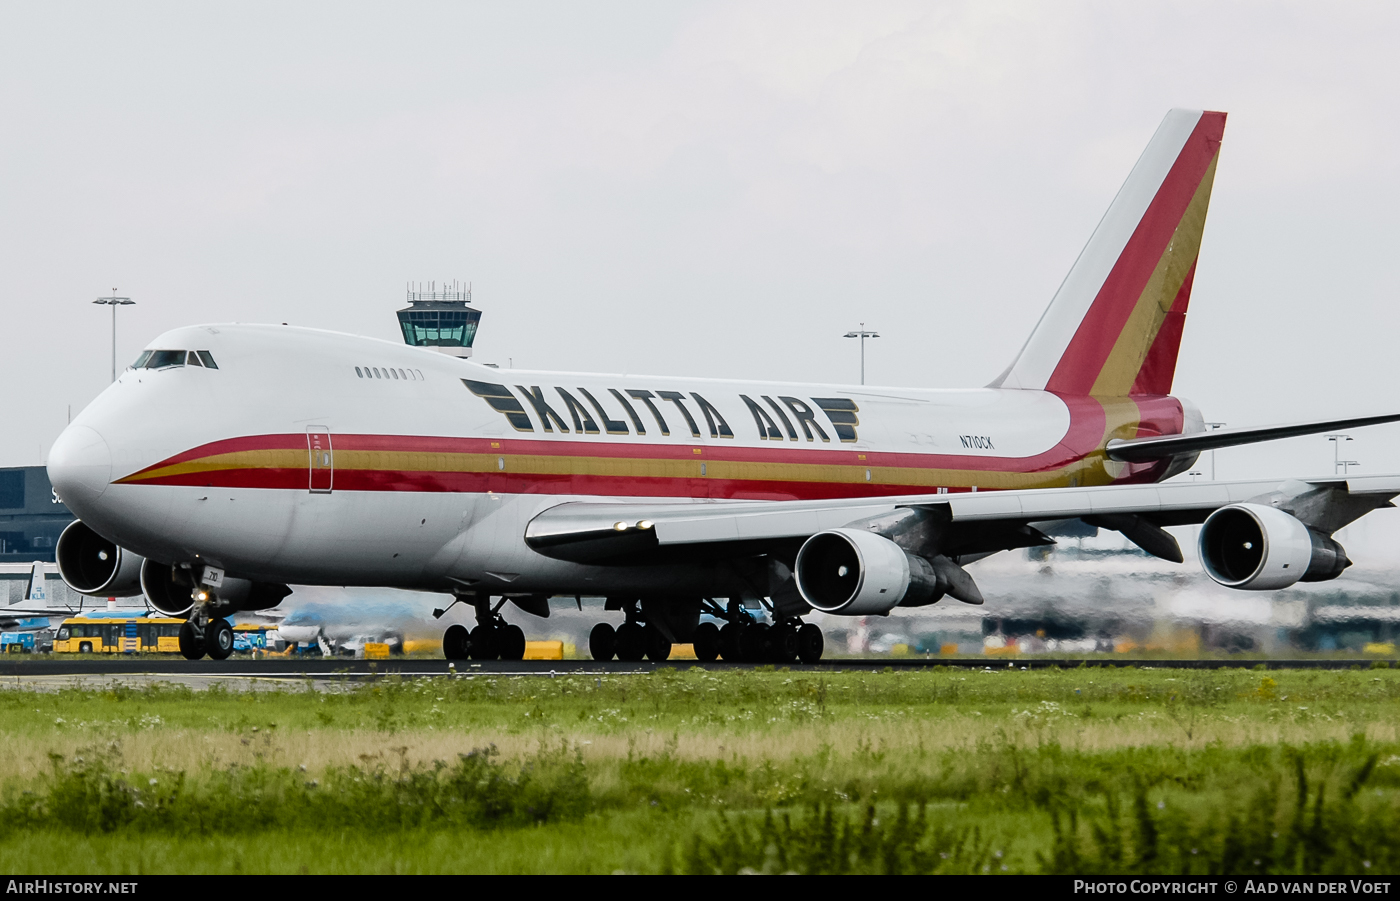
[[37, 592], [1114, 327]]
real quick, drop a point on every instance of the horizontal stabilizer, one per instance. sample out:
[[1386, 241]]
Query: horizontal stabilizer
[[1137, 450]]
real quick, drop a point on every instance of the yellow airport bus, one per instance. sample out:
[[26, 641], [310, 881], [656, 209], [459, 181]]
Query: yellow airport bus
[[118, 635]]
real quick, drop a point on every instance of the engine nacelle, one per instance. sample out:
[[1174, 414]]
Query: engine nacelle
[[1257, 548], [169, 589], [853, 572], [92, 565], [166, 588]]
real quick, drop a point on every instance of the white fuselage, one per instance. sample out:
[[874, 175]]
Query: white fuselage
[[428, 482]]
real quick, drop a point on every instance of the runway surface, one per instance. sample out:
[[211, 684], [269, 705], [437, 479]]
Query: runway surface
[[322, 669]]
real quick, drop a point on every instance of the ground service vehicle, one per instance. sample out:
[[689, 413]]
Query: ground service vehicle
[[118, 635]]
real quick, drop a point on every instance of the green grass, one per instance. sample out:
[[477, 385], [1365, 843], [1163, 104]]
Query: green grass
[[1082, 770]]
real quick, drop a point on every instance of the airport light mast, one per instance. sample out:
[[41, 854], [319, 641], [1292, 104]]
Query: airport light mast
[[114, 301], [862, 334], [1337, 451], [443, 320]]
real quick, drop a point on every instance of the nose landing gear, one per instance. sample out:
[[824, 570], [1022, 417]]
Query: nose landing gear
[[204, 632], [492, 639]]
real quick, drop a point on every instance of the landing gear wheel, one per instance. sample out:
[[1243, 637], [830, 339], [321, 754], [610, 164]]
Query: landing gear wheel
[[658, 645], [191, 647], [810, 643], [511, 640], [729, 642], [456, 642], [485, 645], [602, 641], [783, 644], [706, 642], [218, 639], [753, 643], [631, 642]]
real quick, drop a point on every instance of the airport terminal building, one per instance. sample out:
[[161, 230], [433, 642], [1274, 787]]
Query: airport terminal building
[[31, 515]]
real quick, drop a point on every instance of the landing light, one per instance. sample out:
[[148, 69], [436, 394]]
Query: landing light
[[645, 524], [620, 526], [203, 596]]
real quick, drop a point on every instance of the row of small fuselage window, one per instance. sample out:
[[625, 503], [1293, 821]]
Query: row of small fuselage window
[[384, 372], [163, 359]]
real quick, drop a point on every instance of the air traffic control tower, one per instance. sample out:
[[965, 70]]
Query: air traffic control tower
[[441, 320]]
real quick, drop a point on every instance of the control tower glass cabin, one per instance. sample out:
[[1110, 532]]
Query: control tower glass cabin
[[441, 320]]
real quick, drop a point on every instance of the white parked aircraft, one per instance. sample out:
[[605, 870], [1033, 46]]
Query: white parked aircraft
[[230, 460]]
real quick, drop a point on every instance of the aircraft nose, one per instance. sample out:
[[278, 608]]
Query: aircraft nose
[[80, 466]]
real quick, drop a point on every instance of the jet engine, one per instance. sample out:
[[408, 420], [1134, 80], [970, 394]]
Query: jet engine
[[854, 572], [169, 589], [92, 565], [1256, 547]]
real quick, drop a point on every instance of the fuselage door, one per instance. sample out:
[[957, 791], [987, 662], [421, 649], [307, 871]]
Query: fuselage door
[[318, 445]]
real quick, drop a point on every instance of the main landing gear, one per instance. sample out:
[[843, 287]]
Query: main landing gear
[[631, 641], [492, 639], [741, 640]]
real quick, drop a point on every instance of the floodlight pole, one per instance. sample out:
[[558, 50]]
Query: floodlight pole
[[862, 334], [1213, 426], [1336, 451], [114, 301]]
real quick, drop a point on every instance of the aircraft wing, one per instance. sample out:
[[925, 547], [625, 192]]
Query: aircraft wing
[[1138, 450], [975, 522], [21, 610]]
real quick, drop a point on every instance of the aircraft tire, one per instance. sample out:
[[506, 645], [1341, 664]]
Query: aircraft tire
[[706, 642], [782, 644], [602, 641], [810, 643], [218, 639], [485, 644], [191, 647], [753, 643], [455, 642], [512, 642], [631, 642], [729, 641], [658, 645]]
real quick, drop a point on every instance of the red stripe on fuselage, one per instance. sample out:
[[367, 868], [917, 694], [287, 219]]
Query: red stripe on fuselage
[[1088, 426]]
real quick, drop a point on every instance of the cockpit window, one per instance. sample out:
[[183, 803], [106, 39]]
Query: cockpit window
[[160, 359]]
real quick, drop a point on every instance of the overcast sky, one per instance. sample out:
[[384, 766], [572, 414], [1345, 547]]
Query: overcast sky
[[716, 189]]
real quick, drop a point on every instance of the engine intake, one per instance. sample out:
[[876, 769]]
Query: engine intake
[[854, 572], [1258, 548], [92, 565], [169, 590]]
